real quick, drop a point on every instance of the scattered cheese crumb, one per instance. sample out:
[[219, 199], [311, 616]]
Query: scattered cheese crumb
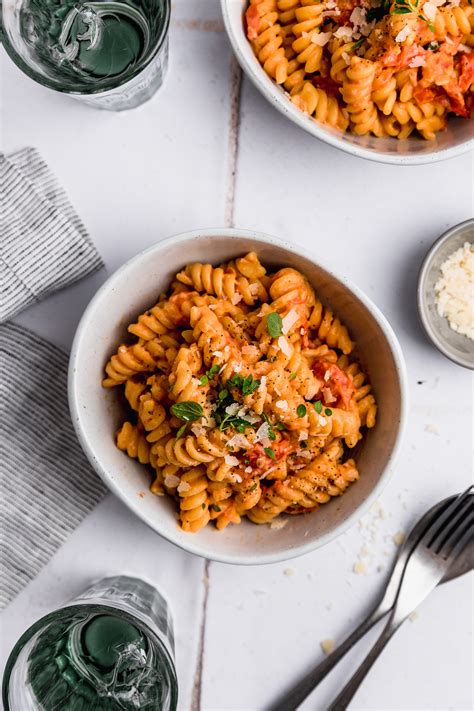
[[233, 409], [183, 486], [455, 290], [281, 404], [262, 385], [231, 461], [198, 430], [321, 38], [327, 645], [303, 435], [404, 33], [248, 470], [236, 299], [278, 523], [284, 346], [399, 538], [171, 481], [289, 320], [288, 572], [217, 354], [322, 420], [238, 440], [417, 62], [413, 616], [430, 10], [359, 567], [432, 428]]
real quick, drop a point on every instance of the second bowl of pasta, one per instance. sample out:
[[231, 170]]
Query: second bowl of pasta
[[390, 81], [248, 404]]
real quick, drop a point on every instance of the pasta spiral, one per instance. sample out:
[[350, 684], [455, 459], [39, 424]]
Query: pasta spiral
[[243, 395]]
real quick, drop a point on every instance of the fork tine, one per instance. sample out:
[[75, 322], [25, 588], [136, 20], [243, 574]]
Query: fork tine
[[435, 529], [462, 541], [444, 535]]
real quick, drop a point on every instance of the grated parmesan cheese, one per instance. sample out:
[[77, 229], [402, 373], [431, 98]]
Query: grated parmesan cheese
[[417, 62], [430, 10], [284, 346], [455, 290], [171, 481], [281, 404], [403, 34], [231, 461], [327, 645], [320, 39], [183, 487], [292, 316]]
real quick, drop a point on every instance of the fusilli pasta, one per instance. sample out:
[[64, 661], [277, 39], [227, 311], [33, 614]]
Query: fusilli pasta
[[243, 391], [380, 67]]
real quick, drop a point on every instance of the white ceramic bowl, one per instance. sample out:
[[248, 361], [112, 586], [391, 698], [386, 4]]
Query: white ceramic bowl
[[457, 139], [456, 347], [96, 412]]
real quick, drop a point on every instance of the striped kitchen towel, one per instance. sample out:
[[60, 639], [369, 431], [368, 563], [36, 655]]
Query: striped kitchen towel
[[44, 246], [46, 484]]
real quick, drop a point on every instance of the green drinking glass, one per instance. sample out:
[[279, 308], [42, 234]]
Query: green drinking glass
[[110, 649], [112, 54]]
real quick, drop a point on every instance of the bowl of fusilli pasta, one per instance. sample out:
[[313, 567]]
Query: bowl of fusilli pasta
[[387, 80], [238, 396]]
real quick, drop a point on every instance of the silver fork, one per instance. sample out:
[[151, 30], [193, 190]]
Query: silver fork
[[295, 696], [431, 558]]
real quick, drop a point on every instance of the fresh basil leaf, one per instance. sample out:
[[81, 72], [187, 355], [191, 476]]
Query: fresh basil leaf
[[274, 324], [213, 370], [318, 406], [187, 411]]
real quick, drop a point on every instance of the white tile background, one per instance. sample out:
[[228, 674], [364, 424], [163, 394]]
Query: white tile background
[[244, 634]]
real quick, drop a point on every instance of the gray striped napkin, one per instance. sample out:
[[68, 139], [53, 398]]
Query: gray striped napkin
[[44, 246], [46, 484]]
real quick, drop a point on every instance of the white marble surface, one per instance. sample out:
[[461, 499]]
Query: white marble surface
[[202, 153]]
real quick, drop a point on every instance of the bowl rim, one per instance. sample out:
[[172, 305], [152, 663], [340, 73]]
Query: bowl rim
[[276, 98], [193, 546], [423, 273]]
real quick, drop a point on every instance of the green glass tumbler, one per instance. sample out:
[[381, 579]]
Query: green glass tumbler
[[110, 649], [112, 54]]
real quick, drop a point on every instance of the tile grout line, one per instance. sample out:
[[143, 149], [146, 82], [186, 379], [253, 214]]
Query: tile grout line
[[233, 141], [197, 685], [233, 149]]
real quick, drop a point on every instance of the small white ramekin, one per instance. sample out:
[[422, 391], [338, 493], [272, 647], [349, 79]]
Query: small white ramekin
[[457, 139], [97, 413]]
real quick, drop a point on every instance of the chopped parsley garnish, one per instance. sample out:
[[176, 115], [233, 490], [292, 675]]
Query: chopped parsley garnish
[[301, 410], [254, 487], [246, 385], [225, 419], [274, 324], [292, 376], [215, 507], [328, 411], [303, 445], [187, 411], [404, 7], [213, 370], [204, 380], [181, 430], [318, 406], [357, 44], [280, 426], [269, 452], [433, 46]]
